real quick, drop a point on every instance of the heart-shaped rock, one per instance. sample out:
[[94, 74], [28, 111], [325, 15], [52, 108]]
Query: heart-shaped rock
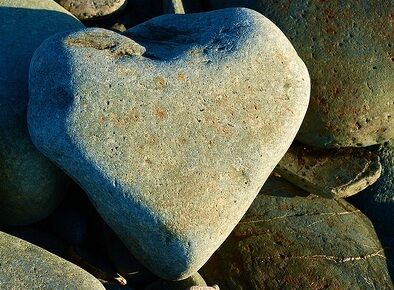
[[173, 137]]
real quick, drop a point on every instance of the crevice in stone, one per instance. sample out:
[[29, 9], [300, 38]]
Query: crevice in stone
[[334, 259], [301, 215]]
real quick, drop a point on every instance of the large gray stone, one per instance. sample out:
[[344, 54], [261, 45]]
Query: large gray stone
[[24, 266], [30, 185], [348, 47], [377, 201], [173, 137], [289, 240], [331, 173]]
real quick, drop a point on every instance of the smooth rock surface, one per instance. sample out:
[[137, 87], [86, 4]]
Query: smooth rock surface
[[331, 173], [25, 266], [288, 240], [348, 47], [377, 201], [30, 185], [86, 10], [172, 137]]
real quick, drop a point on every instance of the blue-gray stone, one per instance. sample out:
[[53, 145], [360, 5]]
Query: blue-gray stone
[[171, 128], [26, 266], [30, 185]]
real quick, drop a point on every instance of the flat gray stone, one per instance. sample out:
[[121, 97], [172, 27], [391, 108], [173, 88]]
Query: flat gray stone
[[172, 137], [331, 173], [93, 9], [289, 240], [30, 185], [25, 266], [377, 201], [348, 47]]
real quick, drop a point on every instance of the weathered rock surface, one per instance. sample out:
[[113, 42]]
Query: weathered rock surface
[[331, 173], [30, 185], [25, 266], [288, 240], [348, 48], [86, 10], [173, 136], [377, 201]]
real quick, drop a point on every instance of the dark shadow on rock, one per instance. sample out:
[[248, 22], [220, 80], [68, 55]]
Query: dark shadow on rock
[[277, 187], [136, 12], [30, 184]]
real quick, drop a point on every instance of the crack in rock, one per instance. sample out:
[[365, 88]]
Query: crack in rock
[[330, 214], [334, 259]]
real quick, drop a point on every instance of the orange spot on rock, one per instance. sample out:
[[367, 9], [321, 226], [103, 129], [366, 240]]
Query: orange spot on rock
[[160, 82], [161, 113], [181, 76]]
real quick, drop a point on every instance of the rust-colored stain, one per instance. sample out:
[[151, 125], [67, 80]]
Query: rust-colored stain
[[123, 120], [160, 82], [102, 119], [161, 113], [134, 115], [181, 76], [151, 139], [182, 141]]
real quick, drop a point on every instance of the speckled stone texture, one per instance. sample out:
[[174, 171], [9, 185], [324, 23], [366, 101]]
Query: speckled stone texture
[[289, 240], [30, 185], [377, 201], [93, 9], [173, 133], [348, 47], [26, 266]]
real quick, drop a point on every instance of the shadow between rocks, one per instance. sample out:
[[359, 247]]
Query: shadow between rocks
[[28, 179]]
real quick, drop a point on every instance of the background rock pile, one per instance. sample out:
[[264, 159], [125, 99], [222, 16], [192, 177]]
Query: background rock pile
[[178, 144]]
